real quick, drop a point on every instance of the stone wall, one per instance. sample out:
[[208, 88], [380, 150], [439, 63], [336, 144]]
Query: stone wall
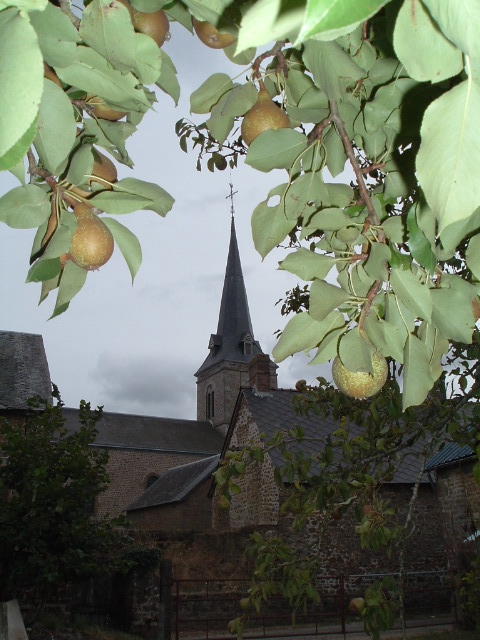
[[129, 471], [193, 513], [257, 503], [459, 497]]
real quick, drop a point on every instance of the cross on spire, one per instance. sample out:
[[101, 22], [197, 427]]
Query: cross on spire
[[230, 195]]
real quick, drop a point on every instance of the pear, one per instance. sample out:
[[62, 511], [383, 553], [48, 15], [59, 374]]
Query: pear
[[104, 171], [92, 242], [156, 24], [101, 110], [360, 384], [264, 115], [211, 36]]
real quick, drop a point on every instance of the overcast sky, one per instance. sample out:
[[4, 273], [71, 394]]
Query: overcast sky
[[135, 349]]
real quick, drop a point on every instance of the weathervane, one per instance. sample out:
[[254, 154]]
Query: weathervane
[[230, 195]]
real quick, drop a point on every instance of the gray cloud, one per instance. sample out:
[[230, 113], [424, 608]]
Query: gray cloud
[[147, 385]]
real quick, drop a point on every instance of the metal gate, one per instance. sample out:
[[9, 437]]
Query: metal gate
[[202, 609]]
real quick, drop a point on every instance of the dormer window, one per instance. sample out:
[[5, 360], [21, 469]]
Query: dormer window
[[247, 344], [214, 343], [210, 403]]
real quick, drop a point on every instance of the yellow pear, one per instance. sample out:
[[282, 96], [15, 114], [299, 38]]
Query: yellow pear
[[92, 242], [264, 115], [211, 36], [360, 384]]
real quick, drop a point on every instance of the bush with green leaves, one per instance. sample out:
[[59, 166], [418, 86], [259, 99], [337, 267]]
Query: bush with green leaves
[[49, 480]]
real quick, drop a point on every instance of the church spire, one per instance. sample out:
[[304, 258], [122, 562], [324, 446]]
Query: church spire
[[226, 369], [234, 340]]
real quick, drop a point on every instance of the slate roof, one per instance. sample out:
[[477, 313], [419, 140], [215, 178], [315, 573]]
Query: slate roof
[[147, 433], [451, 453], [24, 370], [234, 322], [274, 412], [176, 484]]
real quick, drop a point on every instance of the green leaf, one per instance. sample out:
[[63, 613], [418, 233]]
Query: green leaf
[[417, 379], [419, 245], [92, 73], [335, 152], [458, 22], [24, 5], [270, 225], [387, 338], [453, 314], [21, 73], [43, 270], [328, 347], [276, 149], [72, 280], [56, 35], [437, 346], [167, 81], [239, 101], [18, 171], [106, 26], [127, 243], [329, 19], [209, 93], [269, 20], [220, 124], [148, 60], [81, 165], [423, 50], [449, 149], [162, 201], [16, 154], [111, 136], [333, 69], [472, 256], [25, 207], [414, 295], [324, 298], [210, 11], [308, 265], [119, 202], [355, 352], [376, 265], [303, 333], [55, 136]]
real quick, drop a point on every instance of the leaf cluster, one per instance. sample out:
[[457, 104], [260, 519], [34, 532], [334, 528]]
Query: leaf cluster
[[49, 480]]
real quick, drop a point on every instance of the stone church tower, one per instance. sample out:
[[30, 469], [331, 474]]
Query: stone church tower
[[231, 350]]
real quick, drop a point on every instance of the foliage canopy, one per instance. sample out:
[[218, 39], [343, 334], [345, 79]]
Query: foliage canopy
[[49, 481], [387, 89]]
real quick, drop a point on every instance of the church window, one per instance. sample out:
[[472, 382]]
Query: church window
[[210, 403], [248, 345], [151, 480]]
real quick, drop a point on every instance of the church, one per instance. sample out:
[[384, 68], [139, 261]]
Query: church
[[161, 469]]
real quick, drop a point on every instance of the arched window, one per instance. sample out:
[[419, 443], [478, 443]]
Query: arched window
[[210, 403], [151, 480]]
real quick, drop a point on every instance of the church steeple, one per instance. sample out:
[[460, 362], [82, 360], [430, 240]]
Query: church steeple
[[234, 340], [225, 370]]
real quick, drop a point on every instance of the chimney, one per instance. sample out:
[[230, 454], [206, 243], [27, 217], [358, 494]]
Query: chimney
[[261, 374]]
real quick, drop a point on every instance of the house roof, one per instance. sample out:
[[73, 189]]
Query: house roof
[[24, 371], [234, 323], [147, 433], [274, 412], [451, 453], [176, 484]]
